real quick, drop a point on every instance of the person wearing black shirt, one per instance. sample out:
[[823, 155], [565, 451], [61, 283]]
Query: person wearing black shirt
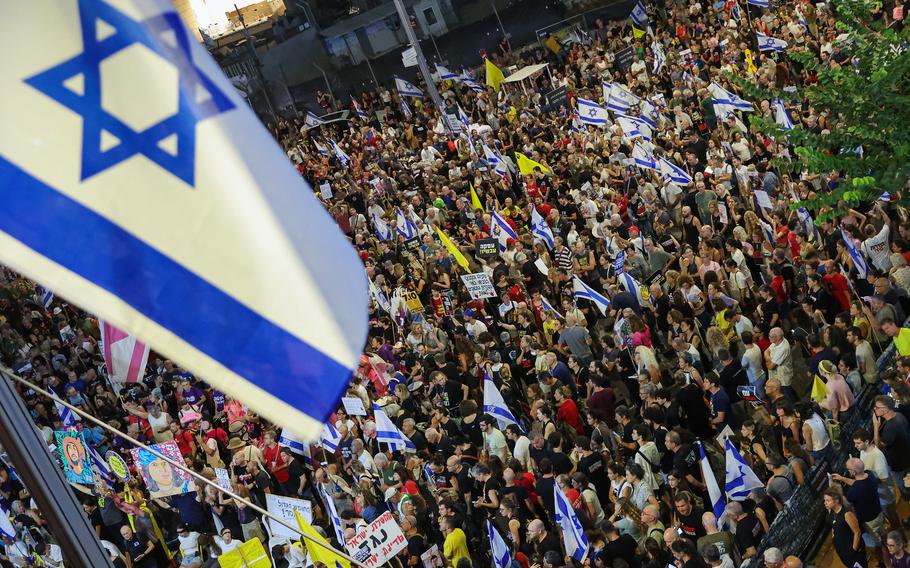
[[619, 546], [138, 548], [687, 517], [748, 529], [592, 465], [540, 541], [561, 462], [94, 516], [544, 487], [295, 473], [686, 555]]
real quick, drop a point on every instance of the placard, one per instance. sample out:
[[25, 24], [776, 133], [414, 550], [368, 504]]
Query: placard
[[379, 541], [353, 406], [432, 558], [479, 285], [117, 465], [413, 244], [223, 478], [486, 248], [250, 554], [74, 456], [325, 190], [160, 477], [558, 96], [623, 59], [412, 301], [283, 508]]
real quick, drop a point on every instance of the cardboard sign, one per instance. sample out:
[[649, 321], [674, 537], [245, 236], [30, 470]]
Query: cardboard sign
[[376, 543], [623, 59], [353, 406], [432, 558], [479, 285], [412, 301], [160, 477], [325, 189], [73, 454], [486, 248], [117, 465], [283, 508], [250, 554], [223, 478]]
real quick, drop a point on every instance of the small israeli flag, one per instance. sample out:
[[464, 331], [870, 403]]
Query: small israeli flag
[[330, 438], [547, 306], [469, 81], [643, 158], [380, 297], [660, 57], [501, 230], [768, 43], [592, 113], [859, 261], [333, 514], [289, 441], [406, 109], [495, 160], [639, 15], [502, 558], [407, 89], [740, 477], [725, 97], [101, 466], [573, 534], [541, 229], [6, 525], [47, 297], [619, 99], [340, 154], [67, 416], [585, 292], [383, 231], [759, 3], [781, 117], [464, 120], [672, 172], [357, 110], [647, 112], [495, 405], [404, 225], [717, 498], [443, 74], [312, 120], [633, 127], [387, 432], [321, 148]]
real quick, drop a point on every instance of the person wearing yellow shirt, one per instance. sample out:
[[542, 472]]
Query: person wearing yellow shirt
[[901, 336], [455, 546]]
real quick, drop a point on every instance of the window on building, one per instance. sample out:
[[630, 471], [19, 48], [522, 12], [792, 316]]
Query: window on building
[[430, 16]]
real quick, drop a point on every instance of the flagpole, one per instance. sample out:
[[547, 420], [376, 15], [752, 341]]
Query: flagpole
[[45, 481]]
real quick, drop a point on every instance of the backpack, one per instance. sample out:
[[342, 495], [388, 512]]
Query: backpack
[[832, 427]]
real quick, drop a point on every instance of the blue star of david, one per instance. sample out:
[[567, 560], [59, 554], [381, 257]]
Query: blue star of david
[[164, 35], [592, 112]]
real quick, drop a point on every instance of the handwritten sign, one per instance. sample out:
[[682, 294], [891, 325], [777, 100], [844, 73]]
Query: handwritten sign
[[283, 508], [376, 543], [223, 478], [479, 285], [353, 406]]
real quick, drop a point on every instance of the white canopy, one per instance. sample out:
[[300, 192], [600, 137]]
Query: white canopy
[[524, 73]]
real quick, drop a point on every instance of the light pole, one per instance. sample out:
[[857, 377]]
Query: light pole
[[496, 13]]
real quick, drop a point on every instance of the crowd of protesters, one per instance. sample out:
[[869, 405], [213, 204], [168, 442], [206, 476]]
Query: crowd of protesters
[[740, 307]]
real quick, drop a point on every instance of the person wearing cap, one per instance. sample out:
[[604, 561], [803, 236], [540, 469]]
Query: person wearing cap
[[473, 326]]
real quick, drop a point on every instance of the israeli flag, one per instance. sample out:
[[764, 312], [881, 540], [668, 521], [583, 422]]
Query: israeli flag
[[357, 110], [740, 477], [312, 121], [725, 97], [67, 416], [47, 297], [619, 99], [647, 112], [628, 282], [768, 43], [639, 15], [333, 514], [541, 229], [672, 172], [404, 225], [547, 306], [806, 220], [387, 432], [469, 81], [502, 558], [101, 467], [289, 441], [573, 534], [643, 158], [759, 3], [465, 121], [633, 127], [592, 113], [495, 160], [443, 74], [321, 148], [407, 89], [6, 525], [340, 154], [717, 498], [859, 261], [585, 292], [330, 437], [660, 57], [383, 231], [406, 109], [494, 404], [767, 229], [501, 230], [380, 297], [781, 117]]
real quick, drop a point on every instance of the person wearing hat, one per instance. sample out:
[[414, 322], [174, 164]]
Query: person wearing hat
[[473, 326]]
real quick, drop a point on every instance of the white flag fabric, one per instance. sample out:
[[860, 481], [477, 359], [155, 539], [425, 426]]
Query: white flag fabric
[[780, 115], [660, 57], [584, 291], [541, 229], [643, 158], [592, 113], [501, 230], [6, 525], [573, 534], [495, 160], [101, 467], [672, 172], [407, 89], [330, 438], [387, 432], [717, 498], [443, 74], [333, 514], [404, 225], [312, 121], [547, 306], [124, 356], [723, 96], [768, 43], [502, 558], [67, 416], [859, 261], [380, 297], [740, 479], [115, 139], [639, 16], [619, 99], [633, 127], [470, 82], [289, 441], [495, 405]]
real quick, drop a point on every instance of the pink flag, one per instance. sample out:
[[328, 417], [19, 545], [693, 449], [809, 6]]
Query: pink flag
[[124, 355]]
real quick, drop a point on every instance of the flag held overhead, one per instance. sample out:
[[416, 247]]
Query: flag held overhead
[[157, 167]]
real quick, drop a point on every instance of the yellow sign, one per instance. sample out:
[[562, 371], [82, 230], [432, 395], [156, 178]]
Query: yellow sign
[[412, 301], [250, 554]]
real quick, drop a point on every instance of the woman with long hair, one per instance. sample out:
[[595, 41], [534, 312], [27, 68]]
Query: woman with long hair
[[846, 532]]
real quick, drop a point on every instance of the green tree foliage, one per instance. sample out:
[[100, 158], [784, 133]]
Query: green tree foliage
[[867, 103]]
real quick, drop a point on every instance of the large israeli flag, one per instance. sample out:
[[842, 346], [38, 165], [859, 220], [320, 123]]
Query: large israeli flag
[[289, 441], [723, 96], [660, 57], [443, 74], [549, 307], [573, 534], [387, 432], [341, 154], [333, 514], [859, 261], [759, 3], [494, 404], [672, 172], [633, 127], [592, 113], [619, 98], [502, 558], [541, 229], [714, 494], [768, 43], [740, 479], [404, 225], [781, 117], [46, 297], [312, 121], [643, 158], [639, 15], [407, 89], [101, 467], [501, 230], [584, 291], [495, 160], [470, 82]]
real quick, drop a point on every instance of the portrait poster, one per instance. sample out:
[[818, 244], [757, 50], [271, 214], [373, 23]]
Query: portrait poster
[[74, 456], [160, 477]]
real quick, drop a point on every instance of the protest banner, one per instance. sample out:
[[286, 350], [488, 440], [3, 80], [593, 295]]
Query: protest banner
[[162, 479], [74, 456], [283, 508], [486, 248], [250, 554], [479, 285], [379, 541], [353, 406]]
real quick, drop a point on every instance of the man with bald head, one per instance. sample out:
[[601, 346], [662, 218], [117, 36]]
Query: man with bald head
[[541, 540], [721, 540], [650, 517], [779, 360]]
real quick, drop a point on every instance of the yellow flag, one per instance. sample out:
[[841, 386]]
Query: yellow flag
[[637, 33], [319, 553], [475, 201], [527, 166], [494, 75], [819, 389], [553, 45], [453, 250], [750, 65]]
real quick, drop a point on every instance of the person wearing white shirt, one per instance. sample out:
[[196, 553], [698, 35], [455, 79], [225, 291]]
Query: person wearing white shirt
[[473, 326], [752, 363], [189, 547], [522, 449], [227, 542]]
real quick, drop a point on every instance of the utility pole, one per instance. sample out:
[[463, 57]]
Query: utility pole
[[422, 63], [258, 64]]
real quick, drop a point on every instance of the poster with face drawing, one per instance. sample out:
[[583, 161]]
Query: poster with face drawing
[[74, 456], [161, 478]]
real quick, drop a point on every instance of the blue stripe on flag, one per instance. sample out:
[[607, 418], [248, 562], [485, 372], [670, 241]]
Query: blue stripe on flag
[[164, 291]]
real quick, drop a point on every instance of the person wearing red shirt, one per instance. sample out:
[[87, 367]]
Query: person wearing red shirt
[[185, 442], [837, 285], [271, 455], [567, 411]]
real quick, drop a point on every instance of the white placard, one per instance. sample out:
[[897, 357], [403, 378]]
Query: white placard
[[222, 478], [376, 543], [763, 200], [479, 285], [353, 406], [283, 508], [325, 189], [542, 267]]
